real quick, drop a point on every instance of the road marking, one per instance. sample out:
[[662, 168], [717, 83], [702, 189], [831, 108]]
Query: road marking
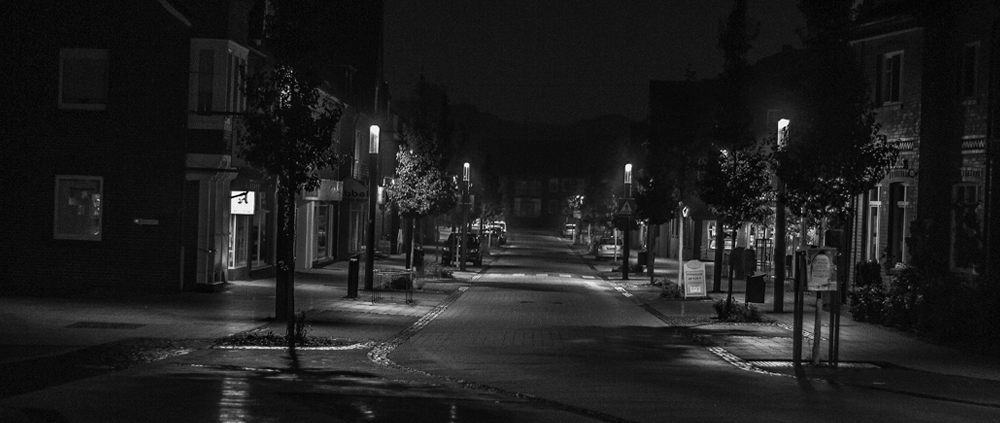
[[588, 277], [563, 275], [623, 291]]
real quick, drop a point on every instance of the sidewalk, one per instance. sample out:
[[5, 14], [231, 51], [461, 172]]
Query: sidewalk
[[869, 354]]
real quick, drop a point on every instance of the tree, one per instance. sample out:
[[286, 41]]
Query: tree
[[735, 180], [290, 126], [834, 150], [421, 188]]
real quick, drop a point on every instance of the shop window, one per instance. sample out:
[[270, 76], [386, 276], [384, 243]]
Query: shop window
[[238, 237], [78, 207], [322, 223], [261, 230], [83, 79], [890, 71]]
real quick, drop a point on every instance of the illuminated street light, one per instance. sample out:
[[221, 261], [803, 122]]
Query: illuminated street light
[[628, 222], [372, 200], [463, 235]]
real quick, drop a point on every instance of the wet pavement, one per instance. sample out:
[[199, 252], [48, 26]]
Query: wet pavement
[[160, 358]]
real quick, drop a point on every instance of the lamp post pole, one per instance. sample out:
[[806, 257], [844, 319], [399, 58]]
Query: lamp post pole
[[628, 222], [779, 230], [465, 217], [372, 194]]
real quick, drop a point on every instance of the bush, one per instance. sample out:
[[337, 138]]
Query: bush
[[867, 302], [868, 273], [732, 311], [904, 304], [436, 270], [671, 290]]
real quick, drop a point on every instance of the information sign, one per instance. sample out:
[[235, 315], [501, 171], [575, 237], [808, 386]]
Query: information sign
[[821, 269], [694, 279]]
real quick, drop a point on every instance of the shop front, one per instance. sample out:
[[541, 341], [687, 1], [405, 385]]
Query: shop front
[[316, 222], [251, 230]]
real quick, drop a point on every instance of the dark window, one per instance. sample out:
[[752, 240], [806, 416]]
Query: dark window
[[83, 79], [206, 78], [889, 83], [969, 58]]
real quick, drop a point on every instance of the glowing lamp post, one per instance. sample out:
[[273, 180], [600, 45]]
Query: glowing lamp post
[[372, 199], [779, 228], [465, 217], [626, 251]]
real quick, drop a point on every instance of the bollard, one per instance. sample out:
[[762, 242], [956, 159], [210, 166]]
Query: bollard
[[352, 277]]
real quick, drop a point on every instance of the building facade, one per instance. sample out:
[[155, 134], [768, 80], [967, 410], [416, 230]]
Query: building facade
[[132, 113]]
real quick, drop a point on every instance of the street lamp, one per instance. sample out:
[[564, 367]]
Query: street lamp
[[779, 228], [465, 216], [372, 199], [628, 222]]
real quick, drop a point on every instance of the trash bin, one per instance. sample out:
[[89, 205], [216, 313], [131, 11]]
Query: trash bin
[[418, 256], [755, 288], [353, 268]]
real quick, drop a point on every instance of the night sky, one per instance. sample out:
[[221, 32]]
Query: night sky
[[557, 61]]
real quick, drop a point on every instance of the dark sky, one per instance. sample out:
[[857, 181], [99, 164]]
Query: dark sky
[[556, 61]]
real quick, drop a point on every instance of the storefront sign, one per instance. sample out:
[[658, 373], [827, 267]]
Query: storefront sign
[[354, 191], [241, 202], [694, 279], [821, 269], [331, 190]]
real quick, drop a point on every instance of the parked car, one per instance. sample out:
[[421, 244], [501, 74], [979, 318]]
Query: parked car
[[452, 249], [569, 229], [498, 235], [608, 247]]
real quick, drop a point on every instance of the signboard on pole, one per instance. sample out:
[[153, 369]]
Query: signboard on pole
[[694, 279], [821, 269], [625, 207]]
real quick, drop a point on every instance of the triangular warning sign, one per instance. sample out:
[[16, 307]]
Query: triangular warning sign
[[626, 209]]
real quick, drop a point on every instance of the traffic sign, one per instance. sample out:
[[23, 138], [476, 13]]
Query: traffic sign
[[625, 207]]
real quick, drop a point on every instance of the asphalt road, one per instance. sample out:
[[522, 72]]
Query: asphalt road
[[536, 336], [538, 326]]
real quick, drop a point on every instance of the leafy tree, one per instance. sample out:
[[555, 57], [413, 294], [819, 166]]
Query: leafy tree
[[735, 180], [834, 150], [290, 127], [421, 188]]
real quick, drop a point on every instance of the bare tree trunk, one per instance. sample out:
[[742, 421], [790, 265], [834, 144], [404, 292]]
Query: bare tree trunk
[[284, 304]]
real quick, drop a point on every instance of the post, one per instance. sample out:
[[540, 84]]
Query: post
[[463, 241], [680, 248], [800, 258], [779, 229], [628, 222], [372, 194]]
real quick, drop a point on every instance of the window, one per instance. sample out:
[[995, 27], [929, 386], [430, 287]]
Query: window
[[553, 185], [554, 207], [890, 70], [969, 58], [78, 207], [215, 79], [83, 79], [874, 202], [967, 226], [535, 188]]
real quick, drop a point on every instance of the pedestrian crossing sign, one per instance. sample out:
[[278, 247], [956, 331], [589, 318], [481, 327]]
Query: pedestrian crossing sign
[[625, 207]]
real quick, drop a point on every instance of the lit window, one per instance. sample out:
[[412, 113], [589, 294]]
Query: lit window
[[83, 79], [78, 207]]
